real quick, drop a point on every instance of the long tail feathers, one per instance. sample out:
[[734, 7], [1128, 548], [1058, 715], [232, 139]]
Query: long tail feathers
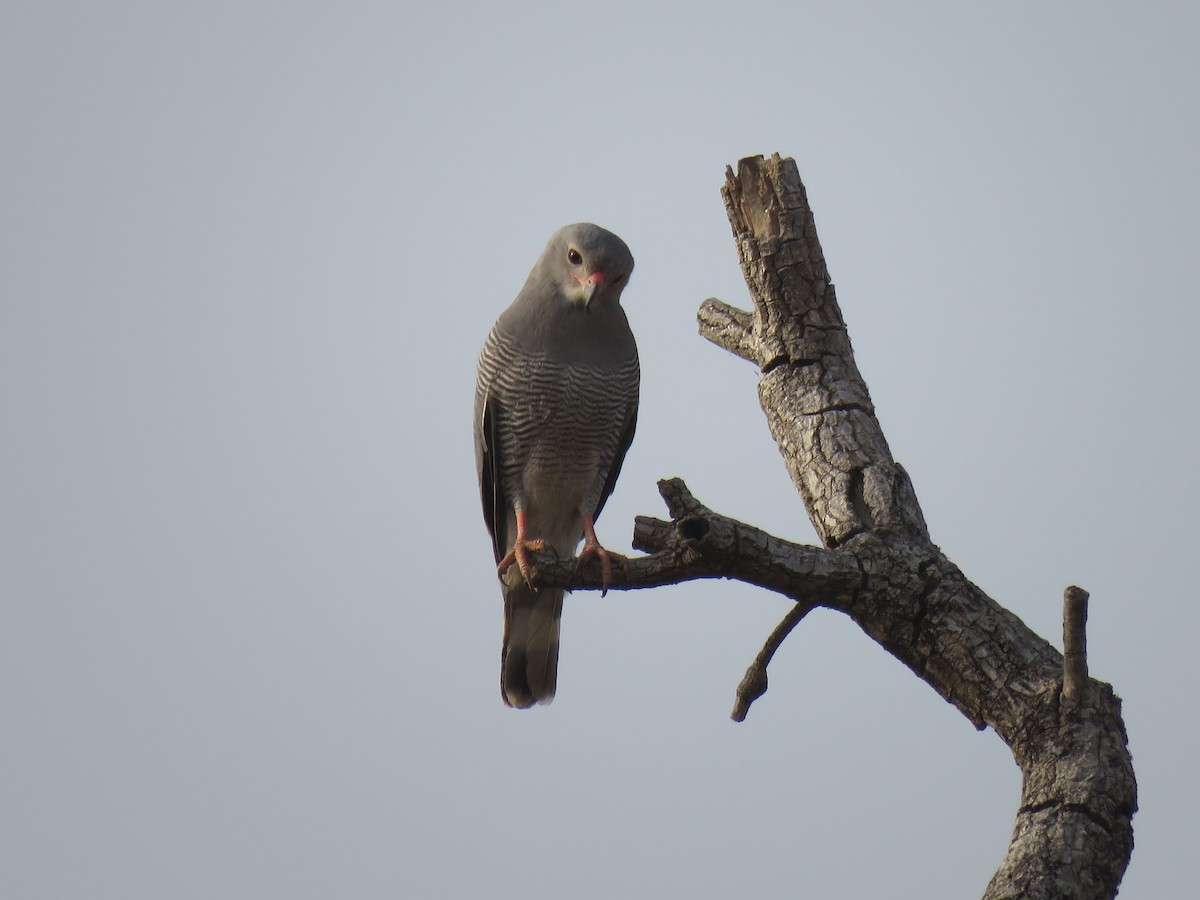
[[529, 656]]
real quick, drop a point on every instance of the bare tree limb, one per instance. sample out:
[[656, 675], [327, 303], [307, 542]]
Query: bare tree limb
[[700, 543], [1075, 673], [728, 327], [754, 682], [1073, 834]]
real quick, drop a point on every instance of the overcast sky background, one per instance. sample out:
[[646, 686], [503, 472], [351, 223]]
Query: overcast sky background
[[249, 626]]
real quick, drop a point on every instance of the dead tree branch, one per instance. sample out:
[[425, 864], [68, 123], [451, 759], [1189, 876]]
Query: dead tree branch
[[1075, 672], [1073, 835], [699, 543]]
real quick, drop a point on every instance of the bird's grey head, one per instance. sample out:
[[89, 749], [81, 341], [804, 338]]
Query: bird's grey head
[[588, 264]]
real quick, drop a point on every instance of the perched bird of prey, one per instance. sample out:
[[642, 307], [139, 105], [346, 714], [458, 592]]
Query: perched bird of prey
[[556, 402]]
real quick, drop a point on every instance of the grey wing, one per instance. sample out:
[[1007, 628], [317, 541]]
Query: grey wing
[[618, 459], [488, 465]]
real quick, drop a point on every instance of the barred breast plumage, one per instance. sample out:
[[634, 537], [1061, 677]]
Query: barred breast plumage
[[555, 410]]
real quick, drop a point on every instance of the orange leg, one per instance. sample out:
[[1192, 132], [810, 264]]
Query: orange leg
[[593, 550], [520, 551]]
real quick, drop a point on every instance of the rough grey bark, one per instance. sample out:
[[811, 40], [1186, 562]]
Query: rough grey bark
[[1073, 833]]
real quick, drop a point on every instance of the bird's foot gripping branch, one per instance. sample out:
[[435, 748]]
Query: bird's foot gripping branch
[[700, 543]]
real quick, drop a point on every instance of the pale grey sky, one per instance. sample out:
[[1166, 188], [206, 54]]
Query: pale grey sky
[[248, 253]]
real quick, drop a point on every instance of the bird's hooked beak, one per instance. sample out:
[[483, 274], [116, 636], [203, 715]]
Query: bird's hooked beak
[[590, 285]]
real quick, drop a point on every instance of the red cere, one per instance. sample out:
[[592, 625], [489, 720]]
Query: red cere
[[596, 277]]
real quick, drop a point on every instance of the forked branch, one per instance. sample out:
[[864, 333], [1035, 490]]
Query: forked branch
[[1073, 834], [700, 543]]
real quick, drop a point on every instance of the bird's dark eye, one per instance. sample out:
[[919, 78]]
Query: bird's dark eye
[[574, 257], [619, 278]]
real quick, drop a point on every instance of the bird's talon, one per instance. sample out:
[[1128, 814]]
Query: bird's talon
[[519, 554], [593, 550]]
